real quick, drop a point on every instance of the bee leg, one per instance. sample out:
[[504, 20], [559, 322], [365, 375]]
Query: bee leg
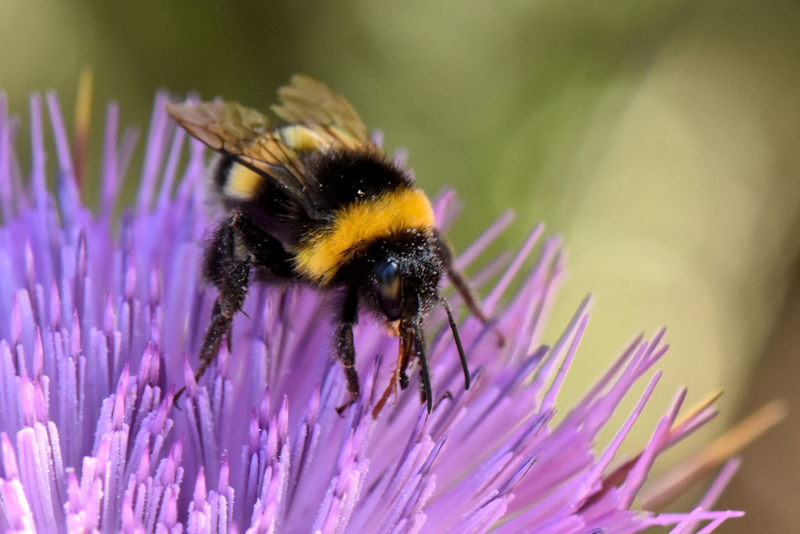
[[347, 349], [426, 393], [407, 337], [226, 305], [404, 381], [230, 300], [459, 280], [231, 276]]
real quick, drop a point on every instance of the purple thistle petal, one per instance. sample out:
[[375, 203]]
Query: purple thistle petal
[[168, 516], [550, 398], [400, 156], [159, 126], [10, 466], [5, 157], [484, 240], [188, 377], [55, 307], [124, 155], [164, 195], [16, 322], [376, 136], [490, 302], [714, 491], [18, 516], [445, 208], [130, 278], [198, 512], [38, 179], [60, 134], [38, 355], [109, 173]]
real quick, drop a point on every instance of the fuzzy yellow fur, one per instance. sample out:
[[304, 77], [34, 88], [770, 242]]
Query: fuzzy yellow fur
[[359, 224]]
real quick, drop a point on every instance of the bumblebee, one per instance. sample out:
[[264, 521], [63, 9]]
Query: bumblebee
[[315, 201]]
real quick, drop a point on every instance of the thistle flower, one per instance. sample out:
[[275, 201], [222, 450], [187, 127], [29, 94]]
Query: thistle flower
[[101, 324]]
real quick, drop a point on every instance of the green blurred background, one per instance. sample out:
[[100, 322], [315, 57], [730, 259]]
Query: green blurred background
[[661, 139]]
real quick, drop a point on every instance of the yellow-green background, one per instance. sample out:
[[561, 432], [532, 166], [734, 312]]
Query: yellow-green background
[[660, 138]]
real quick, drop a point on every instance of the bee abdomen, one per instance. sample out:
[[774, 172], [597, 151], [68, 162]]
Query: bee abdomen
[[233, 181]]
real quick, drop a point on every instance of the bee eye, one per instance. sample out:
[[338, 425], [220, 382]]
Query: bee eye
[[389, 289]]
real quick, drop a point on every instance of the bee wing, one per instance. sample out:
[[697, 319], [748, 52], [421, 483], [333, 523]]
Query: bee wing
[[311, 103], [245, 134]]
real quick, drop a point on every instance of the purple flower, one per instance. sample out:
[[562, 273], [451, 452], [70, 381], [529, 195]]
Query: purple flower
[[104, 316]]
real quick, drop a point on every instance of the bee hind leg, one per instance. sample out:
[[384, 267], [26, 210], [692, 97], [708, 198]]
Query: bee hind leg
[[346, 348]]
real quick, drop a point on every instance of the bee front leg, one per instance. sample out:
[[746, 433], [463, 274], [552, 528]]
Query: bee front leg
[[346, 348], [407, 342]]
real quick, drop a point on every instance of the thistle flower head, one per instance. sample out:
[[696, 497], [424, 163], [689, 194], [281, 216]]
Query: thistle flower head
[[103, 317]]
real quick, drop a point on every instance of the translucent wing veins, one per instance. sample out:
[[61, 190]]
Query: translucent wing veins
[[245, 134], [312, 103]]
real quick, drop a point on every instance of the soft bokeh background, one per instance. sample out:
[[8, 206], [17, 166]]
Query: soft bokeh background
[[660, 138]]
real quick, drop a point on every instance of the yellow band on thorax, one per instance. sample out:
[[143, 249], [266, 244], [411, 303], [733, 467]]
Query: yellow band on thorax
[[358, 225]]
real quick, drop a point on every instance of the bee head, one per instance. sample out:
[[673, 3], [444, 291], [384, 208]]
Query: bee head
[[403, 277], [401, 283]]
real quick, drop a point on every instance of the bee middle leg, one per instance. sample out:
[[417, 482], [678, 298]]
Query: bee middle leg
[[346, 348], [457, 278], [460, 282]]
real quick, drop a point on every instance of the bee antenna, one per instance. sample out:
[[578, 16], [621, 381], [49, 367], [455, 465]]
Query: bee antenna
[[419, 343], [464, 366]]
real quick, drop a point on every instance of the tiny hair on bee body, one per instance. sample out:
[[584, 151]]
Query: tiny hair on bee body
[[314, 201]]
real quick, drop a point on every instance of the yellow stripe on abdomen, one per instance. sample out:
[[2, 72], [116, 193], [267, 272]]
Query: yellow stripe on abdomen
[[359, 224], [242, 183]]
